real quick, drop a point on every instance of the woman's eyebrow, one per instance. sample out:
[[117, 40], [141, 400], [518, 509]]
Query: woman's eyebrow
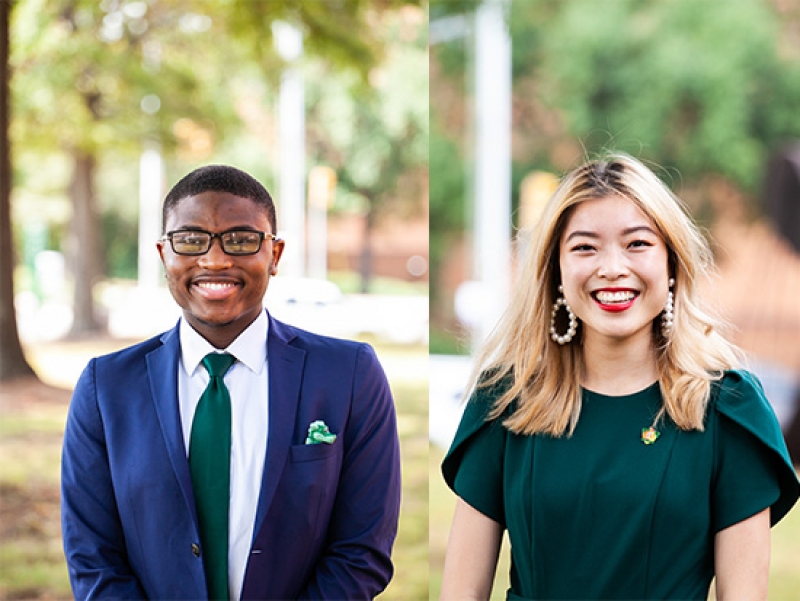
[[594, 235], [581, 233], [638, 228]]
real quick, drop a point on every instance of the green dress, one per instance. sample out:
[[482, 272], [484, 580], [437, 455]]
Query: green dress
[[601, 514]]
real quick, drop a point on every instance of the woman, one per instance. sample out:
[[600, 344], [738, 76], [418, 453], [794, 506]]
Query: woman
[[608, 430]]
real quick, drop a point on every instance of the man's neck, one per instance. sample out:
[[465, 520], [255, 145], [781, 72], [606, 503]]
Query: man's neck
[[220, 336]]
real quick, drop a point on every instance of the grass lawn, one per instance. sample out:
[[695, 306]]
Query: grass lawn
[[784, 573], [411, 548], [31, 558]]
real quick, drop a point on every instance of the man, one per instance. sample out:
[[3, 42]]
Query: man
[[233, 456]]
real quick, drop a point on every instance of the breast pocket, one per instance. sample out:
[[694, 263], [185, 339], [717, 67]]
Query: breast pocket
[[300, 453]]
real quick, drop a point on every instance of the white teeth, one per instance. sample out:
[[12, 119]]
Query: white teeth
[[214, 285], [614, 297]]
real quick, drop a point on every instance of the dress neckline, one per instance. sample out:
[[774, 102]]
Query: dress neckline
[[623, 397]]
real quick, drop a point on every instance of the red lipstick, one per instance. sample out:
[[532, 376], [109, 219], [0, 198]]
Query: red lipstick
[[615, 300]]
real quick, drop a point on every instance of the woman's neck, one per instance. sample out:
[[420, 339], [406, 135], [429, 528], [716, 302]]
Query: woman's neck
[[618, 367]]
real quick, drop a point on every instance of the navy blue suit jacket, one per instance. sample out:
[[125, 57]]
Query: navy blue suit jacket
[[327, 514]]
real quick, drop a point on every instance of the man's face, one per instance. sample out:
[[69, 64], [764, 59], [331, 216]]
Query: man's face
[[220, 294]]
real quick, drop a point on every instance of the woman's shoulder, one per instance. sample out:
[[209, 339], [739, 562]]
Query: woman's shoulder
[[481, 402], [739, 398], [476, 419], [739, 395]]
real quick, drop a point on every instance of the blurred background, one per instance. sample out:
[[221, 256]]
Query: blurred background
[[706, 92], [106, 104]]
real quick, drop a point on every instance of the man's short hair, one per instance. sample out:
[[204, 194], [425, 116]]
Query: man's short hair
[[220, 178]]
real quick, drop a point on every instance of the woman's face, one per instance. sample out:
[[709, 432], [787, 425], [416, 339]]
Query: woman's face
[[613, 269]]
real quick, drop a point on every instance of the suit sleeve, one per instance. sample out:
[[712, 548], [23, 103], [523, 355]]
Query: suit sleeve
[[357, 563], [94, 543]]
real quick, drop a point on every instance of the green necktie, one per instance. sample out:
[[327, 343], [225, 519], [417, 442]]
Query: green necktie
[[209, 461]]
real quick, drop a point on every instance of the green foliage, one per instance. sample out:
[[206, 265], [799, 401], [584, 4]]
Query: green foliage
[[695, 85], [703, 88], [112, 77], [344, 33], [447, 207], [375, 134], [120, 243], [85, 71], [448, 187], [444, 8], [698, 86]]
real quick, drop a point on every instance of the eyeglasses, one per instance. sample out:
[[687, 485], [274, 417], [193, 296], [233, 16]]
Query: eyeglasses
[[234, 242]]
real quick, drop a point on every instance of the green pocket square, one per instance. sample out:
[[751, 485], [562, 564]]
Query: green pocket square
[[318, 432]]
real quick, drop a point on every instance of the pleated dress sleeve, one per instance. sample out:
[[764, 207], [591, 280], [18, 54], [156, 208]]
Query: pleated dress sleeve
[[473, 467], [752, 469]]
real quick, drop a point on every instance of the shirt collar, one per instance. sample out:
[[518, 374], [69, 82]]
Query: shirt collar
[[249, 348]]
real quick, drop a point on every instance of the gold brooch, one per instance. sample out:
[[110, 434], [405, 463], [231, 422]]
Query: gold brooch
[[650, 435]]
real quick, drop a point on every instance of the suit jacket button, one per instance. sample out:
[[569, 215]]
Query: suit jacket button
[[195, 549]]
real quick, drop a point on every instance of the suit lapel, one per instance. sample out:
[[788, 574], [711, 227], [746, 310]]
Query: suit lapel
[[285, 364], [162, 369]]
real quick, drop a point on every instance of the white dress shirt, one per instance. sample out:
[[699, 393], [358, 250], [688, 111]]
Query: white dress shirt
[[249, 391]]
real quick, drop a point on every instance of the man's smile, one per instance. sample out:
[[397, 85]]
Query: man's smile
[[215, 289]]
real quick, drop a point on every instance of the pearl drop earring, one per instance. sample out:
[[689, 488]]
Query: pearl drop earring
[[669, 308], [573, 321]]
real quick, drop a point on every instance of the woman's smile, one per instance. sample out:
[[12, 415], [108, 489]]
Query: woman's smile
[[615, 299]]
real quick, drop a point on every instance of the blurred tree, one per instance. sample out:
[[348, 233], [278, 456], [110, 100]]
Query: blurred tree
[[12, 361], [448, 214], [703, 87], [343, 34], [103, 67], [96, 76], [698, 86], [374, 132]]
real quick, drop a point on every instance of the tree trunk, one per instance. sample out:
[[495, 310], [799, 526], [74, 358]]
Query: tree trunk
[[365, 260], [84, 244], [12, 360]]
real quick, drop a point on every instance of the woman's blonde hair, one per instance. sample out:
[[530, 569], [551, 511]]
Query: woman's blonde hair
[[541, 380]]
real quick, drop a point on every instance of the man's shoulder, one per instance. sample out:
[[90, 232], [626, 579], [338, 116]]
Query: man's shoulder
[[312, 341], [326, 352]]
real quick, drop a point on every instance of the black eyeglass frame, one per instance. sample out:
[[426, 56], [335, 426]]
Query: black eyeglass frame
[[211, 235]]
